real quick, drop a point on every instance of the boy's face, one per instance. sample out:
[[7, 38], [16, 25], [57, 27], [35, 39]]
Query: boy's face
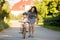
[[24, 16]]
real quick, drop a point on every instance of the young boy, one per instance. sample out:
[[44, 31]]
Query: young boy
[[24, 20]]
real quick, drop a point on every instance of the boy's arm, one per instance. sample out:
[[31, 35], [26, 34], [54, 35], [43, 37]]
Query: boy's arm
[[20, 20]]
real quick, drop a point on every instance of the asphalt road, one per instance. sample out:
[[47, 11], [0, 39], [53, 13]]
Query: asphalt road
[[40, 33]]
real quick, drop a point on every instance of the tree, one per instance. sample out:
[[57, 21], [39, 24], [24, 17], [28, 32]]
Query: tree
[[4, 9], [52, 7], [1, 5], [48, 8], [37, 4]]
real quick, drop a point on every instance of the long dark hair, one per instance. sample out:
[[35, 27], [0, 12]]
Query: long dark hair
[[34, 10]]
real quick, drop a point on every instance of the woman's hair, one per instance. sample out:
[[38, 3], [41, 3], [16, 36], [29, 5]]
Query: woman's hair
[[35, 10]]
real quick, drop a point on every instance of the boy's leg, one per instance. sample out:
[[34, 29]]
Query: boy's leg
[[21, 27]]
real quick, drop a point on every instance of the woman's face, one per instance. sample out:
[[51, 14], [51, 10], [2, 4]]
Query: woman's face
[[32, 10]]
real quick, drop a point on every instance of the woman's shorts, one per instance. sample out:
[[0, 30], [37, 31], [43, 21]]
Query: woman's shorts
[[32, 21]]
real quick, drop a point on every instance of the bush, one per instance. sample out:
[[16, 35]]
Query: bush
[[55, 21], [3, 25], [13, 17]]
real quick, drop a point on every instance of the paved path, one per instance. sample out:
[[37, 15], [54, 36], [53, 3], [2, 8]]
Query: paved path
[[41, 33]]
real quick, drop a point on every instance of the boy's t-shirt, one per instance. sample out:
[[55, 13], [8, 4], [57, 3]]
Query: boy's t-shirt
[[24, 20]]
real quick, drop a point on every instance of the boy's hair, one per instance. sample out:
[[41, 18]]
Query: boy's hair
[[24, 13]]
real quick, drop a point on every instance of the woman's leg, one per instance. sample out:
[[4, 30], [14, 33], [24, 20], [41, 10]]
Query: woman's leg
[[29, 30], [32, 30]]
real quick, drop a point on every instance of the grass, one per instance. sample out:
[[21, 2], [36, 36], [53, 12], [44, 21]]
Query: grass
[[56, 28]]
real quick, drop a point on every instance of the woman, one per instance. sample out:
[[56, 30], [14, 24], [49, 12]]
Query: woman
[[32, 15]]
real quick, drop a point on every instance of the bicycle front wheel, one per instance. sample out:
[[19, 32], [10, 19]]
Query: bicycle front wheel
[[24, 33]]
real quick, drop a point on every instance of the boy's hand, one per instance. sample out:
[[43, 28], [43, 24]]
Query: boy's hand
[[19, 20]]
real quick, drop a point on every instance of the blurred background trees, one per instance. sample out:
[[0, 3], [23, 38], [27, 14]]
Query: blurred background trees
[[48, 11], [4, 9], [4, 14]]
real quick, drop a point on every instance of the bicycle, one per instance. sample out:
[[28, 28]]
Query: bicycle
[[24, 30]]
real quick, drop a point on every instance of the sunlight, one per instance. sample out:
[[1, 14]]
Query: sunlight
[[6, 36], [16, 13], [12, 2]]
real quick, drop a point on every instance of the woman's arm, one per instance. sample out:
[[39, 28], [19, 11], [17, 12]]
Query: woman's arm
[[37, 19], [36, 16]]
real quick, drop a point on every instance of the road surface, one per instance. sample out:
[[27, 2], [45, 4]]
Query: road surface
[[41, 33]]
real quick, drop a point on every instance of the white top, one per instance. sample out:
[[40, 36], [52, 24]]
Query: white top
[[24, 20]]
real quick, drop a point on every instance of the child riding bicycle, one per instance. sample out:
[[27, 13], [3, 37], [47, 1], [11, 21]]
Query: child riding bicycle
[[24, 20]]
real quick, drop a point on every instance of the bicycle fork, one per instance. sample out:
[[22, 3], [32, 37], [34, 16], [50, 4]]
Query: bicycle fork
[[24, 32]]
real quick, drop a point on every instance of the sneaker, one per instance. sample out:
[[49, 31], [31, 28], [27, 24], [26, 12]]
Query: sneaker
[[20, 32], [29, 36]]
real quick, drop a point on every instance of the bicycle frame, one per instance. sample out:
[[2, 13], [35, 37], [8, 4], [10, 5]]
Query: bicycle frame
[[24, 29]]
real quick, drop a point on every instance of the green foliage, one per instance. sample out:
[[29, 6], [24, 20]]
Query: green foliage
[[1, 5], [58, 6], [3, 25], [13, 17], [48, 10], [45, 7], [4, 9], [5, 14], [52, 23], [55, 21], [2, 2], [37, 4], [19, 16]]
